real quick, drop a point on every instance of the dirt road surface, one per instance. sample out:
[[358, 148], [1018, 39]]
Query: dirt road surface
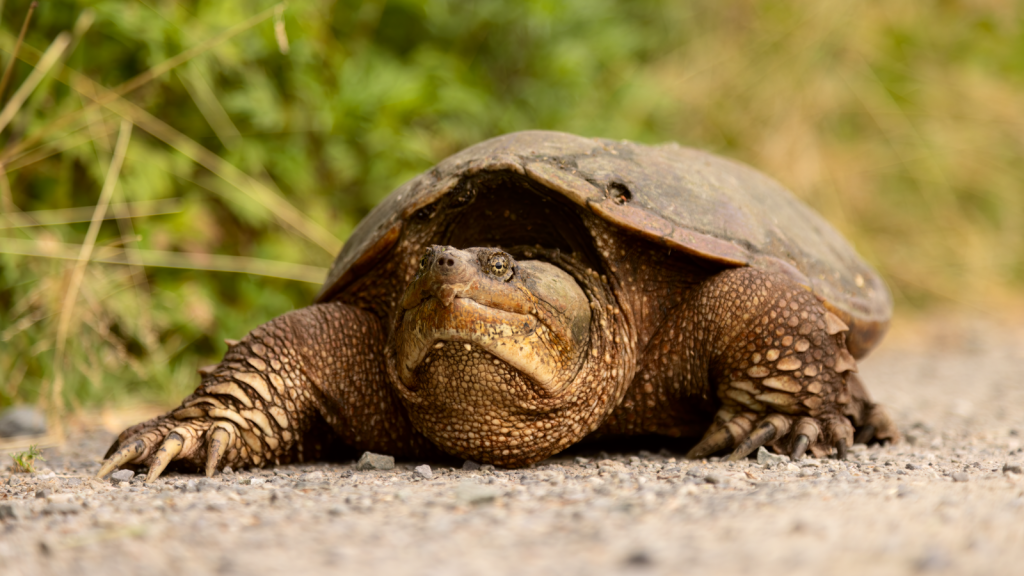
[[948, 500]]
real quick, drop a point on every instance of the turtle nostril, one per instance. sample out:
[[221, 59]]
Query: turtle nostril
[[450, 262]]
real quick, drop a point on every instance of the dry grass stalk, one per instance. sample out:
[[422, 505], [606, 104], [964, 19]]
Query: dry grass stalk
[[108, 96], [6, 199], [47, 61], [54, 147], [166, 259], [120, 151], [17, 46], [58, 216], [275, 203]]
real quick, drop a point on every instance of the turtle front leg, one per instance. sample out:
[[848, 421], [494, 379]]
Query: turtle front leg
[[782, 371], [268, 400]]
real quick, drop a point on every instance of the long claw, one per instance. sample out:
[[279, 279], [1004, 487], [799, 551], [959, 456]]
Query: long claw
[[799, 447], [124, 454], [171, 447], [764, 433], [841, 449], [717, 440], [219, 440], [865, 435]]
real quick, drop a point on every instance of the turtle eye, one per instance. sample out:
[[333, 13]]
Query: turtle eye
[[498, 265], [424, 260]]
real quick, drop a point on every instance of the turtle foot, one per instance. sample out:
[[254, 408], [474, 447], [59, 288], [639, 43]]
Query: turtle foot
[[163, 440], [744, 432]]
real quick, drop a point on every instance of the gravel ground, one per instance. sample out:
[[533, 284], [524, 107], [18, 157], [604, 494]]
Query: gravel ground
[[949, 499]]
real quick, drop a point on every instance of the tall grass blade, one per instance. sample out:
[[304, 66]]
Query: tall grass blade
[[107, 96], [48, 59], [17, 46], [120, 151], [167, 259]]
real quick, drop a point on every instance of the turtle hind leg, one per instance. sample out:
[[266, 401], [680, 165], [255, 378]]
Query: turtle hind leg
[[780, 366], [873, 423]]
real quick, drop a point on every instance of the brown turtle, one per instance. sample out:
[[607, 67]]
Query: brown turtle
[[541, 288]]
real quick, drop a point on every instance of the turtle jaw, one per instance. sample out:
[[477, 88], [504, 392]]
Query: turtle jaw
[[520, 341]]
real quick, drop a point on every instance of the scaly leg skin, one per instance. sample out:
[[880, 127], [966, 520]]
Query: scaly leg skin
[[268, 400], [782, 371]]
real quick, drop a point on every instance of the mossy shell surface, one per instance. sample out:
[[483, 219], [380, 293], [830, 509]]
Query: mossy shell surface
[[684, 199]]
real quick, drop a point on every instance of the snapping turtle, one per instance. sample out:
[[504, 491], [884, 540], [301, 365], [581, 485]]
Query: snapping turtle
[[540, 288]]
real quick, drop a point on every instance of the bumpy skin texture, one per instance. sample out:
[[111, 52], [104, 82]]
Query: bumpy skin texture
[[770, 352], [434, 340], [284, 393]]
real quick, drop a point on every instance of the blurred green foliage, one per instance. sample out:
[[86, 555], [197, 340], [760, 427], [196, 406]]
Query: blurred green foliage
[[899, 121]]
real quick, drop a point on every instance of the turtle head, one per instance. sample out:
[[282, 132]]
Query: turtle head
[[487, 351]]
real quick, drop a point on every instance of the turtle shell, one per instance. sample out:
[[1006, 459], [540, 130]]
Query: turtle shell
[[681, 198]]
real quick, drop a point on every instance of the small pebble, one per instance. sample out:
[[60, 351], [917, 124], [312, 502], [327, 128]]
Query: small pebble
[[1012, 468], [43, 493], [470, 465], [639, 559], [316, 476], [22, 421], [473, 493], [121, 476], [10, 511], [424, 471], [766, 458], [371, 461], [960, 477], [62, 508], [255, 481], [913, 467], [716, 479]]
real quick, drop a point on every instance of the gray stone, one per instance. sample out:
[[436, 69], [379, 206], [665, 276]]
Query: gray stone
[[960, 477], [766, 458], [43, 493], [1013, 468], [470, 465], [716, 479], [22, 421], [371, 461], [62, 508], [121, 476], [10, 511], [933, 560], [424, 471], [473, 493], [191, 486], [316, 476]]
